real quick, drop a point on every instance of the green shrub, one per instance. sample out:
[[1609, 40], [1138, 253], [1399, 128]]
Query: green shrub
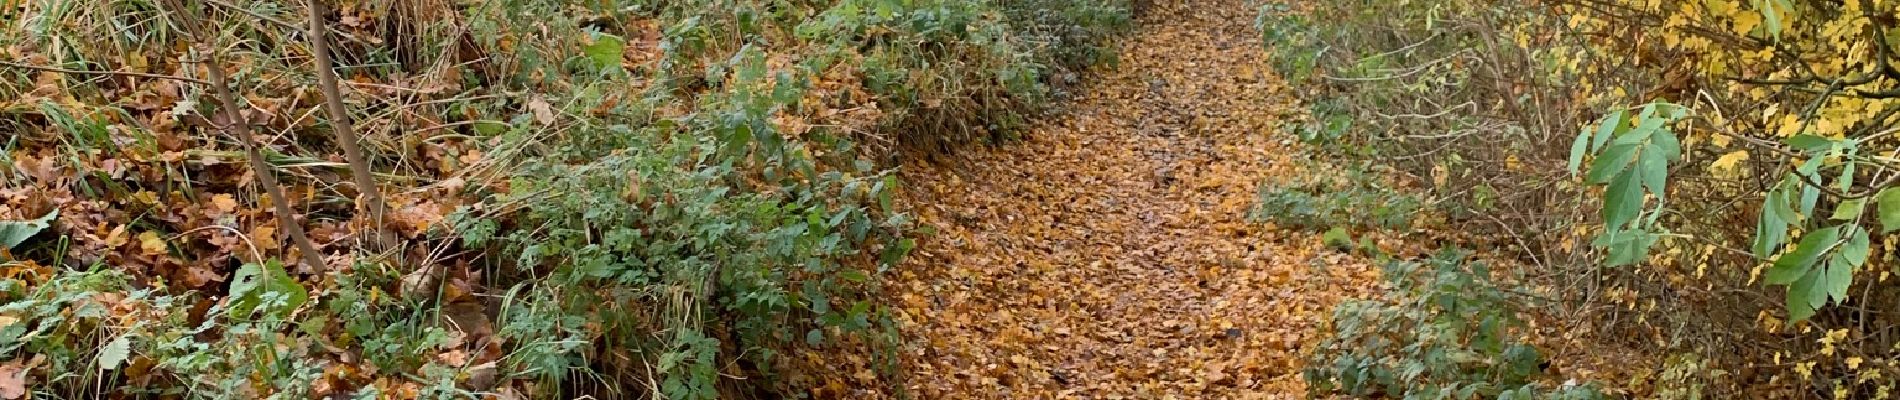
[[1445, 332], [1357, 199], [621, 220]]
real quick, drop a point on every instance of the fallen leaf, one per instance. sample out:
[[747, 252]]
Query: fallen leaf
[[543, 112], [151, 244], [224, 203], [12, 380]]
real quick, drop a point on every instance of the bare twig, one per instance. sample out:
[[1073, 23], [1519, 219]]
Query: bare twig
[[234, 123], [113, 73], [341, 127]]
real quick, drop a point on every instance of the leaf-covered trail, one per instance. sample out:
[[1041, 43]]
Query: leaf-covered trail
[[1109, 255]]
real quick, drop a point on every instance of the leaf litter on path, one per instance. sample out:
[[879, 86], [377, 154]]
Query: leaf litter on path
[[1108, 255]]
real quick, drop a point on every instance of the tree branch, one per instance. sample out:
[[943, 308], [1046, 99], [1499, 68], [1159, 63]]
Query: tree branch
[[237, 125]]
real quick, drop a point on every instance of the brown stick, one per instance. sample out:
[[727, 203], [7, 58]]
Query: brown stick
[[113, 73], [235, 123], [341, 127]]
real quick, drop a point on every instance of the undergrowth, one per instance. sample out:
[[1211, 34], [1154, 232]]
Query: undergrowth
[[627, 199], [1445, 331]]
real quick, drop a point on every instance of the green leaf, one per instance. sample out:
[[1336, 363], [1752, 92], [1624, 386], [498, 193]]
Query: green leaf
[[606, 50], [1666, 142], [1772, 229], [1771, 17], [884, 189], [1838, 276], [1857, 247], [1655, 170], [1800, 293], [115, 352], [12, 233], [1611, 162], [489, 127], [1642, 132], [1611, 126], [1810, 195], [255, 283], [1808, 142], [1622, 200], [1849, 209], [1577, 148], [1889, 208], [1626, 246], [1797, 263]]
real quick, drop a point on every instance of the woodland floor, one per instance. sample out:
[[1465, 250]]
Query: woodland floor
[[1110, 254]]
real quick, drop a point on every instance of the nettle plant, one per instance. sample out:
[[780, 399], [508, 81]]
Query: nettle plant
[[1632, 157]]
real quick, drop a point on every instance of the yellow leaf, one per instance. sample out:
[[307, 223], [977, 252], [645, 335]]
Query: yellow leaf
[[1746, 22], [1726, 163], [1790, 126], [151, 244], [1853, 363]]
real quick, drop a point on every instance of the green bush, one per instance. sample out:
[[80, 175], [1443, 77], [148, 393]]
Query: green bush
[[1446, 331], [1357, 199]]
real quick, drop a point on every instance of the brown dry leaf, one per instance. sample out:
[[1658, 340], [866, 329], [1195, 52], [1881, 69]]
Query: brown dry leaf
[[543, 111], [117, 237], [12, 380], [224, 203], [265, 237]]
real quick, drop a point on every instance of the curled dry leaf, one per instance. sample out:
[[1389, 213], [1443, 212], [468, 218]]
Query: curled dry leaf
[[12, 380]]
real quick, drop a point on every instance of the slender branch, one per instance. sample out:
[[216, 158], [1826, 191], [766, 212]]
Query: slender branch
[[341, 127], [235, 123], [113, 73]]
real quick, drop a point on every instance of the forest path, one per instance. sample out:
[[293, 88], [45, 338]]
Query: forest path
[[1109, 255]]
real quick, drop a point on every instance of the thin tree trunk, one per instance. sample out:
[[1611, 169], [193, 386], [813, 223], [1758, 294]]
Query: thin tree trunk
[[235, 123], [341, 127]]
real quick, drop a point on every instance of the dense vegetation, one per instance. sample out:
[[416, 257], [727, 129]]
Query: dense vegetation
[[668, 199], [1702, 188], [694, 199]]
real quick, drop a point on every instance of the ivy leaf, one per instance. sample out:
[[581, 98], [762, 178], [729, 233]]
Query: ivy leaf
[[12, 233], [1795, 264], [1889, 208]]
